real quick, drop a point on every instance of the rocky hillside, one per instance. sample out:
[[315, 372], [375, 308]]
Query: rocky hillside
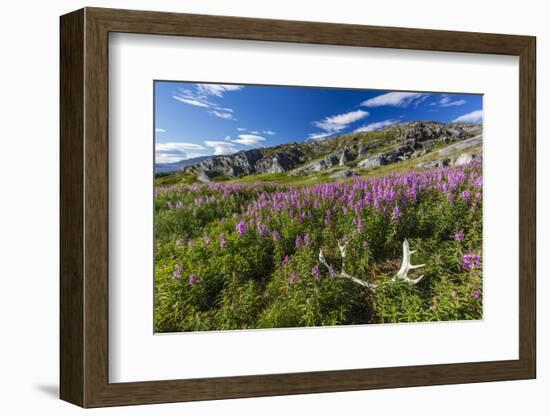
[[433, 143]]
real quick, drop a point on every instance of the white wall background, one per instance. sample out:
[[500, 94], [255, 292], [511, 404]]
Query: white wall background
[[29, 160]]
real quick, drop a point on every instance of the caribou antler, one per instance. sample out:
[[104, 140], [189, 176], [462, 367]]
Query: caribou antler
[[406, 265], [343, 274], [401, 274]]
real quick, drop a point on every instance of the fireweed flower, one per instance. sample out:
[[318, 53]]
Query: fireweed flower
[[315, 272], [476, 294], [241, 228], [169, 204], [207, 240], [307, 240], [286, 260], [194, 279], [262, 229], [223, 241], [470, 261], [396, 213], [179, 243], [178, 271], [276, 235], [298, 241], [293, 277], [459, 235], [465, 195], [360, 225]]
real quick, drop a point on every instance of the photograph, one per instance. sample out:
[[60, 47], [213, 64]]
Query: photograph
[[290, 206]]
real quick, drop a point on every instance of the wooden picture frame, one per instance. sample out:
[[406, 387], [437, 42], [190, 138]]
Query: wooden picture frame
[[84, 207]]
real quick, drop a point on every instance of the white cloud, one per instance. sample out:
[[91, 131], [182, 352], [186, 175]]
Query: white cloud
[[249, 139], [176, 151], [395, 99], [191, 101], [473, 117], [217, 89], [319, 136], [157, 130], [227, 138], [255, 132], [200, 98], [447, 101], [220, 114], [241, 128], [269, 132], [376, 126], [339, 122], [177, 146], [221, 148]]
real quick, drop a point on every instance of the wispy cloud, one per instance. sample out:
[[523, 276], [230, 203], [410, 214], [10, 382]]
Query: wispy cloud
[[339, 122], [395, 99], [200, 98], [194, 99], [241, 128], [176, 151], [447, 101], [319, 136], [473, 117], [269, 132], [191, 101], [336, 123], [157, 130], [221, 114], [249, 139], [255, 132], [376, 126], [221, 148], [217, 89]]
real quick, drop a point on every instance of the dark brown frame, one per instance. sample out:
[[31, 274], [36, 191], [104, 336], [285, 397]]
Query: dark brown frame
[[84, 207]]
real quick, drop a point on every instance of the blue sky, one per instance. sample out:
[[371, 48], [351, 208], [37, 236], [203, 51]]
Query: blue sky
[[213, 119]]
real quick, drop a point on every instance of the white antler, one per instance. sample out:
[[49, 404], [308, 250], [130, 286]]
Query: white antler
[[401, 274], [406, 265], [343, 274]]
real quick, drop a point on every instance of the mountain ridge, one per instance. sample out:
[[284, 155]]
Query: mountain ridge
[[351, 151], [180, 164]]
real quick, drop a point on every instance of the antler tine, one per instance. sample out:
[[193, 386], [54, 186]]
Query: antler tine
[[342, 247], [322, 259], [406, 265]]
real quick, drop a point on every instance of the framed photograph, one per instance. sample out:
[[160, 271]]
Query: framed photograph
[[255, 207]]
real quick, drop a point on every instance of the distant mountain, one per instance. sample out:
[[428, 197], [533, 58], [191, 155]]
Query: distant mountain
[[353, 151], [175, 166]]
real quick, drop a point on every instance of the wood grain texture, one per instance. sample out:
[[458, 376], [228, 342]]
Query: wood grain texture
[[71, 100], [84, 207]]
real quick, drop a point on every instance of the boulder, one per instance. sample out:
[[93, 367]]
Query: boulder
[[344, 173], [345, 156], [466, 158], [432, 164], [319, 165], [371, 162]]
